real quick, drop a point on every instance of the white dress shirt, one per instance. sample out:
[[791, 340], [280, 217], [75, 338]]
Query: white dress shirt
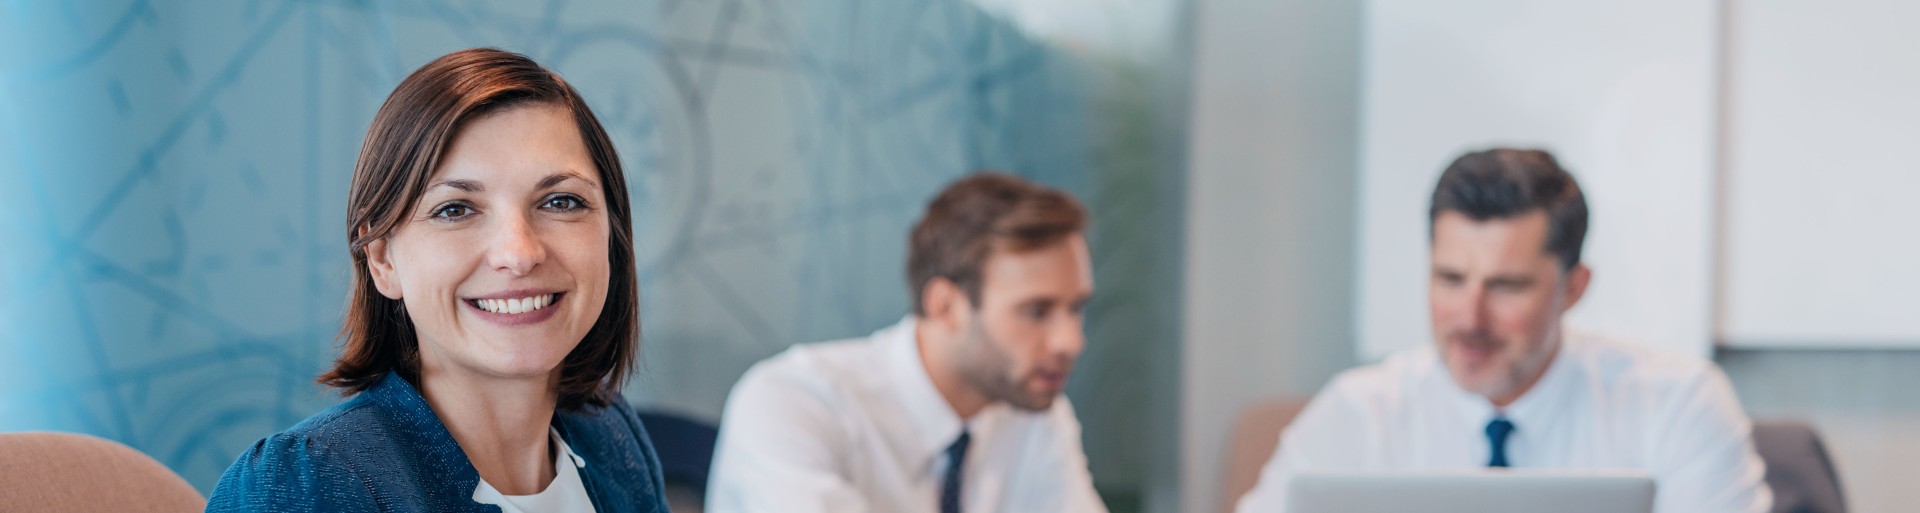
[[1602, 405], [566, 494], [856, 426]]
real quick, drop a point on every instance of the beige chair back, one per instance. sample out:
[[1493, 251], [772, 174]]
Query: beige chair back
[[63, 472], [1255, 436]]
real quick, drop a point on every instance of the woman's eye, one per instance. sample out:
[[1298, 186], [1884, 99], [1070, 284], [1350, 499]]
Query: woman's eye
[[564, 203], [452, 211]]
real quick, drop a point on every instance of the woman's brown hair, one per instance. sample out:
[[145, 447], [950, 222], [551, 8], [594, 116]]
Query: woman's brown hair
[[403, 146]]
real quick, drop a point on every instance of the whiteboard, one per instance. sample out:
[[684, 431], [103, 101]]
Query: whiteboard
[[1823, 180], [1621, 92]]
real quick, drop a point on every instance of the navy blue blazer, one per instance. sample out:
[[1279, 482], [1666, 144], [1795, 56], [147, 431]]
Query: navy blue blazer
[[384, 450]]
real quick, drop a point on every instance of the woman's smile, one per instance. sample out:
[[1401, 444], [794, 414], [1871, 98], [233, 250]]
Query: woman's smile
[[516, 307]]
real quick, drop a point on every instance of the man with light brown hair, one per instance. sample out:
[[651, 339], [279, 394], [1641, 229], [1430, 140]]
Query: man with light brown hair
[[957, 405]]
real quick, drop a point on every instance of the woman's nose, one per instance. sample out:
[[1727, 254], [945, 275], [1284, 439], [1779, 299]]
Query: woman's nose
[[516, 247]]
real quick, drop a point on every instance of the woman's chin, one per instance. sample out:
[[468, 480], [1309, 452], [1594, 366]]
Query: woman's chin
[[530, 368], [517, 367]]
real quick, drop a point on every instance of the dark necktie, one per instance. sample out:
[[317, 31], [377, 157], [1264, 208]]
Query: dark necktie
[[1497, 433], [956, 465]]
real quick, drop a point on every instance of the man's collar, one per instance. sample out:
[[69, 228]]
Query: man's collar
[[936, 424]]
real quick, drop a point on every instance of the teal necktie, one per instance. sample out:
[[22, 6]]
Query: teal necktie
[[956, 466], [1497, 433]]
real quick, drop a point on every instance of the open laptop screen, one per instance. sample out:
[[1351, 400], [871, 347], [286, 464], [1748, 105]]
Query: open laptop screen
[[1493, 491]]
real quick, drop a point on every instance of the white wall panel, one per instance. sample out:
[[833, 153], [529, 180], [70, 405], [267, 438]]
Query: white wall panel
[[1823, 231]]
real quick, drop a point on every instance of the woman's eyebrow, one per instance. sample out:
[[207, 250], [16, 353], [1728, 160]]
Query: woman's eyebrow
[[475, 186], [556, 178], [465, 185]]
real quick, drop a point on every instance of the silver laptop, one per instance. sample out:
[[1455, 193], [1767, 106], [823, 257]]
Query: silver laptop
[[1471, 492]]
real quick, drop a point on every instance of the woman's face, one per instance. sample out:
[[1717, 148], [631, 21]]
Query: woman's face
[[503, 264]]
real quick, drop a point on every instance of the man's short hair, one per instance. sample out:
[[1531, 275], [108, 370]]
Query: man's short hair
[[980, 214], [1503, 183]]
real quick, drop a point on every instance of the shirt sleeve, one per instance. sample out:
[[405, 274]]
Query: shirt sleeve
[[290, 473], [1329, 435], [1705, 462], [776, 452]]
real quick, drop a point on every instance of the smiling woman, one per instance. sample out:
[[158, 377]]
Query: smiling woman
[[493, 233], [493, 318]]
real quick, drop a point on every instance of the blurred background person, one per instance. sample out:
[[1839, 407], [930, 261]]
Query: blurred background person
[[1505, 384], [958, 406]]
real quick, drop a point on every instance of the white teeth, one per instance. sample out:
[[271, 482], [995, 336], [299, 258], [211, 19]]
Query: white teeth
[[517, 305]]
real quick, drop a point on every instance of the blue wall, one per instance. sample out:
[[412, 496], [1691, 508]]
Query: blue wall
[[173, 175]]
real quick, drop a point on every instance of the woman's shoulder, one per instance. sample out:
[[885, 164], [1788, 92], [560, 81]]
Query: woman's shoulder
[[316, 465], [338, 433]]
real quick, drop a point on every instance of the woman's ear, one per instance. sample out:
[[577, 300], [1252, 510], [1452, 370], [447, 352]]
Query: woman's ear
[[380, 266]]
